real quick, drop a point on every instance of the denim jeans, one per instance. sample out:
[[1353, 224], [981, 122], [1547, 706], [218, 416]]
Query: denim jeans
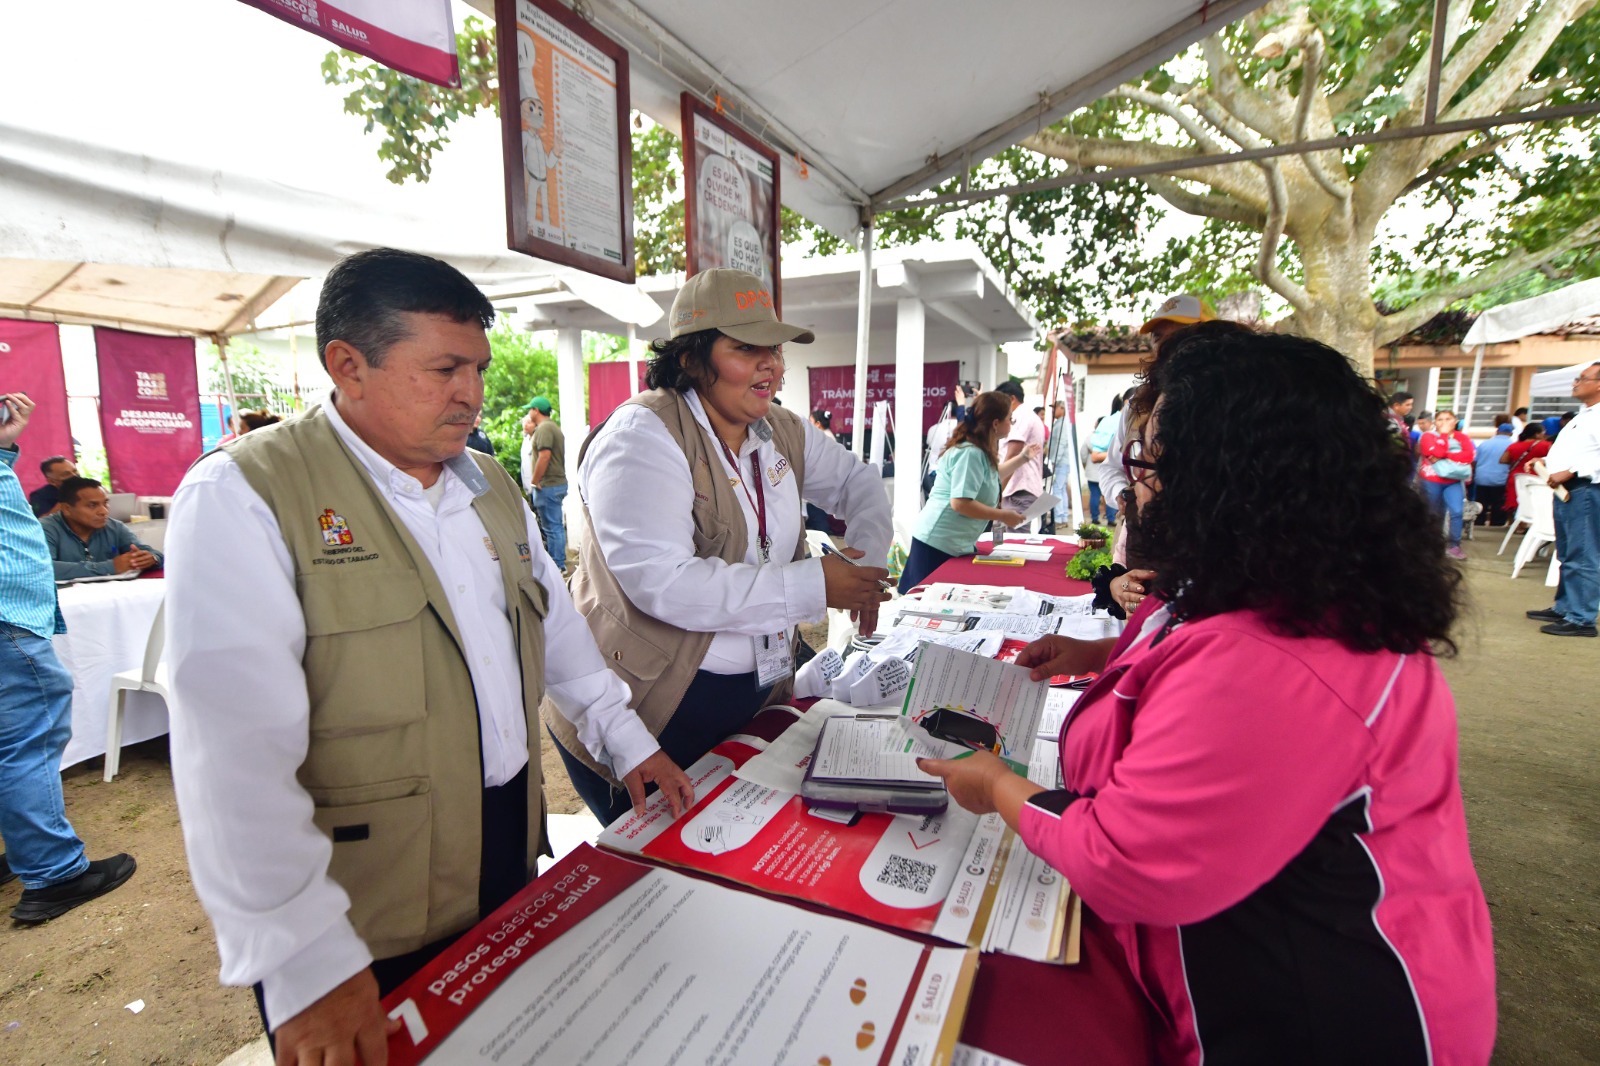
[[35, 725], [1578, 548], [547, 508], [1446, 498]]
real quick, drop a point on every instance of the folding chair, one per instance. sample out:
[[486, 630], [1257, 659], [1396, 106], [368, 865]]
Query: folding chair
[[151, 676], [1523, 515], [1541, 502]]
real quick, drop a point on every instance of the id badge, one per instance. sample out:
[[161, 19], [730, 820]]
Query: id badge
[[773, 660]]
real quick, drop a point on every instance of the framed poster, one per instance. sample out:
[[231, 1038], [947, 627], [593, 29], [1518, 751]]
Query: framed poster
[[568, 152], [731, 198]]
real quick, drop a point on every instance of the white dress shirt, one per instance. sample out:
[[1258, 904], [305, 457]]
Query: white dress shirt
[[1577, 448], [640, 496], [241, 715], [528, 456], [1113, 475]]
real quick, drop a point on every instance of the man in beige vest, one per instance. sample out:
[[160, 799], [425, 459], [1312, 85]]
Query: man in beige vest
[[359, 645]]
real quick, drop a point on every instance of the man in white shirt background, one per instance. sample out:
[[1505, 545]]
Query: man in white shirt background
[[1574, 465], [411, 593], [1027, 434]]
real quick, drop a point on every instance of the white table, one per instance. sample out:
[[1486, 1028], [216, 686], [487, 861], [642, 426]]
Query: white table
[[107, 626]]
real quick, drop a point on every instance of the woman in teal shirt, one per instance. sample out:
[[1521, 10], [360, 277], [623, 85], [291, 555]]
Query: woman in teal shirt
[[965, 490]]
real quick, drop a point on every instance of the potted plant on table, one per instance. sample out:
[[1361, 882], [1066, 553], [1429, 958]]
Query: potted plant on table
[[1093, 537]]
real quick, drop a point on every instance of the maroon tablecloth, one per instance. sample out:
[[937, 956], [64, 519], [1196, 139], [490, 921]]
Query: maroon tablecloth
[[1091, 1013], [1048, 577]]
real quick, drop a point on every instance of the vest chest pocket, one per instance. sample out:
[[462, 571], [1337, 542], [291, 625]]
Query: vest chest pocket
[[364, 650], [381, 853]]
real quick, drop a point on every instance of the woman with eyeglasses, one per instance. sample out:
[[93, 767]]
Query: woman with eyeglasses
[[1261, 794], [966, 489]]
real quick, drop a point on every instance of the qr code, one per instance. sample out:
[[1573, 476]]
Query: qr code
[[908, 874]]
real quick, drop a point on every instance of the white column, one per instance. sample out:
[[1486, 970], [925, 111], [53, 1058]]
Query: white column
[[987, 366], [910, 337], [569, 379]]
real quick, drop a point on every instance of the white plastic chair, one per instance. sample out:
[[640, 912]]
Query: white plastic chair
[[1523, 516], [150, 677], [1540, 503]]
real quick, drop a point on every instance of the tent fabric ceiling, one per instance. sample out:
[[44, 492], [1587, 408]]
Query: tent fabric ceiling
[[202, 249], [891, 96]]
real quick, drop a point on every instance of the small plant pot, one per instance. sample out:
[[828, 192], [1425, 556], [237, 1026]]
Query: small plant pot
[[1092, 543]]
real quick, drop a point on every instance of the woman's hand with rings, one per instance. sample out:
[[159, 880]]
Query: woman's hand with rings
[[1131, 588]]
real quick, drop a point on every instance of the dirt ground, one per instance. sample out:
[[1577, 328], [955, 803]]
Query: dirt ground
[[1530, 757]]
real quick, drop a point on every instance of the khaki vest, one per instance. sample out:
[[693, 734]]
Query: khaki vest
[[656, 659], [394, 766]]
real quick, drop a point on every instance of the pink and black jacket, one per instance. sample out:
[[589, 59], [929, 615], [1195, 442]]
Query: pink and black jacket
[[1274, 828]]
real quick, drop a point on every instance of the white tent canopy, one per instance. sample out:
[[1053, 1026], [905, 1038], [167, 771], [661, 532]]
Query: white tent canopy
[[881, 98], [203, 249], [1536, 314]]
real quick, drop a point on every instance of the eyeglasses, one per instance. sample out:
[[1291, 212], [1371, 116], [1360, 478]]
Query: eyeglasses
[[1139, 468]]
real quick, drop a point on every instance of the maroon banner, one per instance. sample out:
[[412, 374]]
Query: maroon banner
[[608, 387], [30, 362], [833, 389], [149, 409], [416, 38]]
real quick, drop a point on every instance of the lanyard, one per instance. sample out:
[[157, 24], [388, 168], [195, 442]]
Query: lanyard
[[759, 503]]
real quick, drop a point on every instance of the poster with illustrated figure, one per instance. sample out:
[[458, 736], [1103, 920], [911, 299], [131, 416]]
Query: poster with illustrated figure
[[731, 203], [568, 153]]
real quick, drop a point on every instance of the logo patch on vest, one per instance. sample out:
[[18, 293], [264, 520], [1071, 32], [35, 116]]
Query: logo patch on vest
[[776, 472], [335, 530], [339, 542], [495, 555], [523, 553]]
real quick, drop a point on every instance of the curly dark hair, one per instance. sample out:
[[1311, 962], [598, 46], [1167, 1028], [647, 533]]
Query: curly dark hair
[[1282, 490], [682, 362], [1153, 366]]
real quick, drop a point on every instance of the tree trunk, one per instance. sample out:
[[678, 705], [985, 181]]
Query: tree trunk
[[1338, 281]]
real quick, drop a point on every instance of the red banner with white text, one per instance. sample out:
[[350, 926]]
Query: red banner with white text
[[30, 363], [149, 409], [833, 389], [415, 37]]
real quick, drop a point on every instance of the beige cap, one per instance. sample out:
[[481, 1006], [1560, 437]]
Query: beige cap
[[1184, 310], [737, 303]]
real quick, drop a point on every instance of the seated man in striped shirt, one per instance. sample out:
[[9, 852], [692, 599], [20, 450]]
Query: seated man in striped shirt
[[85, 541]]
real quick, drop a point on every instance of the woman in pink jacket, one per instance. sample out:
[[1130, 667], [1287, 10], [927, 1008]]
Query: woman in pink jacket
[[1444, 471], [1261, 786]]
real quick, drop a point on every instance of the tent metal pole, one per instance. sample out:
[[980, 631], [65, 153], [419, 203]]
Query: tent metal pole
[[858, 410], [227, 377], [1430, 109], [1472, 391]]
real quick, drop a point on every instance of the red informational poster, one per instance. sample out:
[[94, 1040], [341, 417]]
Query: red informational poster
[[415, 37], [606, 960], [149, 409], [30, 363], [932, 874], [730, 198], [833, 389], [608, 388]]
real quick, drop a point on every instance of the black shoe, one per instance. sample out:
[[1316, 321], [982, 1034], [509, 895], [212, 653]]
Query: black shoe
[[5, 870], [103, 875], [1568, 629], [1549, 614]]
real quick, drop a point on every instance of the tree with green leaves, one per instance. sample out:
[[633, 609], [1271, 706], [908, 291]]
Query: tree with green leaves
[[1506, 211], [520, 371]]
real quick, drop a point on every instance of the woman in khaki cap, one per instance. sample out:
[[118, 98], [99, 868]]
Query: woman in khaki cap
[[692, 569]]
